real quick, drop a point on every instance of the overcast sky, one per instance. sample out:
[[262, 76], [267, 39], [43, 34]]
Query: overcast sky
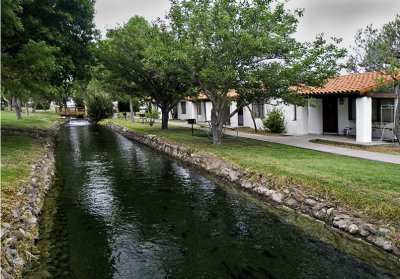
[[334, 18]]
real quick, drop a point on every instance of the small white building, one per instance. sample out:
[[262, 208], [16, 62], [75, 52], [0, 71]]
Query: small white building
[[350, 105]]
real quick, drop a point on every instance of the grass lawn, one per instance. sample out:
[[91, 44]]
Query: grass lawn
[[371, 187], [20, 150], [37, 120]]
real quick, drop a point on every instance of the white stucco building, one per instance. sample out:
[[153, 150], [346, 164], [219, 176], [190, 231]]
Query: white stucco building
[[351, 105]]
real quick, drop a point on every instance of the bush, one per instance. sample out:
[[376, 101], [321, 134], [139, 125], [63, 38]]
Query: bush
[[152, 116], [275, 121], [99, 106], [43, 105]]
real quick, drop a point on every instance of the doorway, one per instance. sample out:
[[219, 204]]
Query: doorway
[[240, 116], [330, 115]]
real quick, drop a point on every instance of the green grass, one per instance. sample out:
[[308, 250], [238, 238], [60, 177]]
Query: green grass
[[38, 120], [361, 185], [17, 154], [19, 150]]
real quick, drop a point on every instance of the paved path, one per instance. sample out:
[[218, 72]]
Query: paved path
[[304, 142]]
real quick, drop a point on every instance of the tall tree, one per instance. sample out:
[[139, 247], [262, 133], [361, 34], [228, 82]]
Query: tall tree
[[246, 46], [140, 53], [379, 50], [65, 27]]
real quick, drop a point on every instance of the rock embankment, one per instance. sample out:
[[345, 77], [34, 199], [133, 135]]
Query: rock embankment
[[276, 191], [20, 228]]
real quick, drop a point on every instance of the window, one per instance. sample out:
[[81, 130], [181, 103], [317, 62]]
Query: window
[[183, 107], [198, 108], [294, 113], [258, 110], [352, 109], [384, 115]]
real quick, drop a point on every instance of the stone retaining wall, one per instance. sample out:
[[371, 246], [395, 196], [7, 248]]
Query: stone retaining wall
[[275, 191], [19, 236]]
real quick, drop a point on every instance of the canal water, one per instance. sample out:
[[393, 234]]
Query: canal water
[[121, 210]]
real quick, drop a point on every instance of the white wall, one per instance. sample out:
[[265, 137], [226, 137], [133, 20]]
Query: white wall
[[201, 117], [343, 115], [363, 119], [248, 121], [302, 120], [315, 118], [191, 111], [208, 106], [234, 118], [290, 122]]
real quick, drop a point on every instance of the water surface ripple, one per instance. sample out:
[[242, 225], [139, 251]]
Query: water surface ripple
[[121, 210]]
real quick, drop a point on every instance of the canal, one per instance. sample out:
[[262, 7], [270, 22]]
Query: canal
[[121, 210]]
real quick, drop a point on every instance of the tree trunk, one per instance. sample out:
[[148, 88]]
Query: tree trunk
[[26, 109], [253, 118], [65, 107], [10, 104], [16, 105], [217, 121], [164, 119], [396, 129], [34, 105], [131, 109]]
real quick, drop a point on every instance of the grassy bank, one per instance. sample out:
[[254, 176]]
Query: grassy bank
[[20, 148], [361, 185], [37, 120]]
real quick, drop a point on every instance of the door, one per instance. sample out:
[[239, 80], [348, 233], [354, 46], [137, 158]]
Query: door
[[330, 115], [240, 116]]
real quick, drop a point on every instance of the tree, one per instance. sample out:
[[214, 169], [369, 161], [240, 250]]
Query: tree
[[64, 27], [140, 54], [29, 72], [246, 46], [379, 50]]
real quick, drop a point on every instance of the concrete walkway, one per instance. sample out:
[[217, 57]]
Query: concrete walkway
[[304, 142]]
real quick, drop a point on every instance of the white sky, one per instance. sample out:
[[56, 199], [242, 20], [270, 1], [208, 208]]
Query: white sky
[[334, 18]]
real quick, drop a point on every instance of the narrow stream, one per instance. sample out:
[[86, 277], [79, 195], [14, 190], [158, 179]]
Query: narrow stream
[[121, 210]]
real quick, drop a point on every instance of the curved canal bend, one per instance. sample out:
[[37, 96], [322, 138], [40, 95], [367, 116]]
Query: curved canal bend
[[121, 210]]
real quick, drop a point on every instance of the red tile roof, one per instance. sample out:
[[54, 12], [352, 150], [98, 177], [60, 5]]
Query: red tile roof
[[348, 84], [231, 94]]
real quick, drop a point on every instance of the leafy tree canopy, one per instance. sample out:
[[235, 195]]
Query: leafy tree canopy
[[139, 55], [379, 50], [246, 46], [58, 32]]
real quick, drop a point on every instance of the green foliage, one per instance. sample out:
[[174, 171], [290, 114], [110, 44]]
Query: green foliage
[[141, 57], [152, 116], [379, 50], [247, 46], [275, 121], [46, 47], [99, 106]]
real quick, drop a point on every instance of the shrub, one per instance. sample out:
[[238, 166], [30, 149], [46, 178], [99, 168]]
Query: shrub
[[152, 116], [99, 106], [275, 121]]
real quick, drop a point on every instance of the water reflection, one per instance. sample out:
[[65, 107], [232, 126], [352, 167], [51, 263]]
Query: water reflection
[[134, 213]]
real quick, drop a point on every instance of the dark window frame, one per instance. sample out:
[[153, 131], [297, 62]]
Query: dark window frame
[[183, 107], [198, 106], [258, 110], [351, 103], [377, 103]]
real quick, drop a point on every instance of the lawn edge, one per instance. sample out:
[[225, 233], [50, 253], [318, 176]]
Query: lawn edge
[[20, 234]]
